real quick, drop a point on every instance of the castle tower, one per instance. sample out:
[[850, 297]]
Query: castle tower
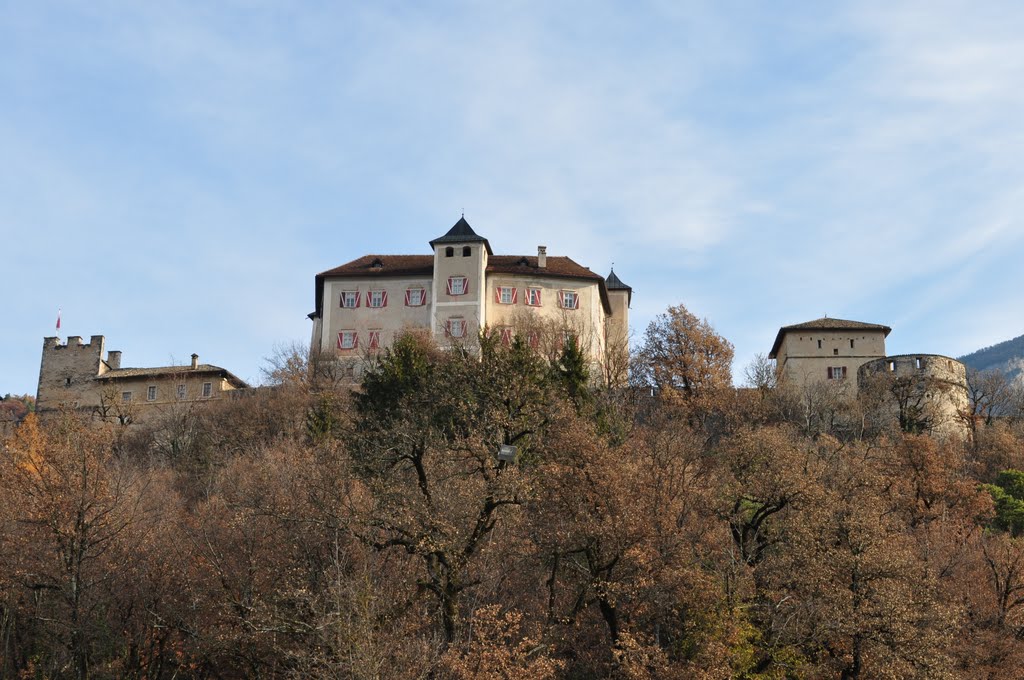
[[827, 351], [619, 296], [66, 372], [459, 286]]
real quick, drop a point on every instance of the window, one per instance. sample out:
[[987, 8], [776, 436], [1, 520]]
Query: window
[[505, 295], [151, 393], [892, 366], [456, 328], [570, 299], [819, 344], [415, 297], [207, 389], [466, 251], [835, 352], [350, 299], [836, 372], [506, 336], [919, 362], [851, 343], [347, 340], [126, 397], [457, 285], [377, 298], [67, 382], [533, 297], [181, 391], [449, 251], [374, 341], [533, 339]]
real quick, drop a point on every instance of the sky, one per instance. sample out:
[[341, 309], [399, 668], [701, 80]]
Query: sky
[[174, 174]]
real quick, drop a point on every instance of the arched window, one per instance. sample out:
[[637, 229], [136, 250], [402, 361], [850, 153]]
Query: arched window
[[449, 251], [466, 250]]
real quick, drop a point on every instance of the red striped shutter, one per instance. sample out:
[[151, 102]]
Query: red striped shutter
[[355, 340], [384, 299], [497, 294], [576, 301], [339, 340], [515, 292], [450, 284], [465, 285], [357, 297], [408, 294]]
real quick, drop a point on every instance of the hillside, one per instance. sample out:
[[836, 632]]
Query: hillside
[[1007, 357]]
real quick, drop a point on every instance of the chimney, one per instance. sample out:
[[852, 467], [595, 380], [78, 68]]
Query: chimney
[[114, 359], [542, 257], [195, 361]]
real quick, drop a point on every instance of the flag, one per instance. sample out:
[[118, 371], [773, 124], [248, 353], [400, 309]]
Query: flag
[[58, 318]]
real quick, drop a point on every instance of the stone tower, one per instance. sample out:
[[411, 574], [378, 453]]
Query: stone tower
[[460, 264], [66, 372]]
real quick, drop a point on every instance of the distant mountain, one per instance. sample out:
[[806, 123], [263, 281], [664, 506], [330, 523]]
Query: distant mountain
[[1007, 357]]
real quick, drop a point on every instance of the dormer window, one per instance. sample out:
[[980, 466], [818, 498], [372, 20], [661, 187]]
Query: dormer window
[[449, 252], [466, 251], [377, 263]]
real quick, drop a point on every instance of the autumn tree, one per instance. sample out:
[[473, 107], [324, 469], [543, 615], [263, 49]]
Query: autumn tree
[[430, 425], [685, 359]]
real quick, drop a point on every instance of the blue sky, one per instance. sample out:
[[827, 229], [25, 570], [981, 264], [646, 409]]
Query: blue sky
[[173, 174]]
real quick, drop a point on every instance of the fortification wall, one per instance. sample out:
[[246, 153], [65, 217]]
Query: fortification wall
[[926, 392]]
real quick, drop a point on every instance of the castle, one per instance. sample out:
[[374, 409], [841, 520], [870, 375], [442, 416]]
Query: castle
[[463, 288], [924, 392], [84, 378]]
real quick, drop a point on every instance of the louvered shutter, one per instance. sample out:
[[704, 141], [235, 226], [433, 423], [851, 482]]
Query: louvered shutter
[[829, 372], [465, 285], [844, 371]]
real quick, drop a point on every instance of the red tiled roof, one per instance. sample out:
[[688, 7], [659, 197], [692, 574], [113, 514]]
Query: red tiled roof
[[386, 266]]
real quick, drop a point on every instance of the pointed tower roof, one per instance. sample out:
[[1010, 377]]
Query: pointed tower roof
[[613, 282], [462, 233]]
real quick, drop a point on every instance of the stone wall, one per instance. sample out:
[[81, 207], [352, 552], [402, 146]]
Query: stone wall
[[926, 392]]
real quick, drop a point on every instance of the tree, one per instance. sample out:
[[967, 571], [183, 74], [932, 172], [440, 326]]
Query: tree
[[684, 357]]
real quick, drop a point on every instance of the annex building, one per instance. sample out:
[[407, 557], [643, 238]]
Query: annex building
[[87, 379], [463, 288]]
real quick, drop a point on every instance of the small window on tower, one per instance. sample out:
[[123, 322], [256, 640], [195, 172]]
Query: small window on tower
[[851, 343], [466, 251], [835, 352], [67, 382], [449, 252], [819, 344]]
